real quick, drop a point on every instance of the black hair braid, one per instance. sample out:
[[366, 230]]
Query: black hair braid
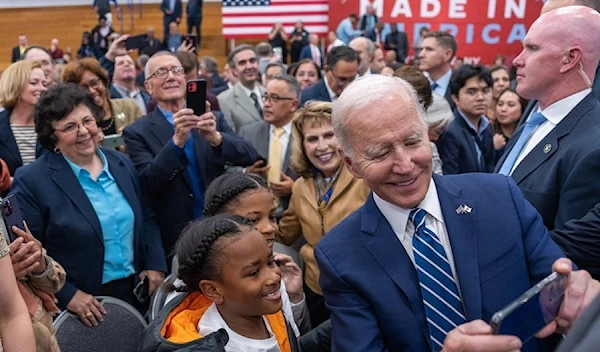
[[226, 188], [196, 249]]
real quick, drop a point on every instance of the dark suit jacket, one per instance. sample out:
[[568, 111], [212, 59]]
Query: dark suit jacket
[[16, 54], [258, 135], [163, 175], [218, 90], [457, 148], [560, 175], [580, 240], [151, 47], [115, 94], [596, 86], [362, 25], [217, 81], [317, 91], [583, 335], [371, 286], [164, 7], [401, 41], [306, 53], [9, 152], [60, 215]]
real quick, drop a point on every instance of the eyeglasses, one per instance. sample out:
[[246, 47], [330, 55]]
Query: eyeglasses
[[274, 98], [87, 122], [164, 72], [342, 81], [93, 83]]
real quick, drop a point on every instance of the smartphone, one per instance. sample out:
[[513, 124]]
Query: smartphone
[[278, 53], [191, 39], [113, 141], [533, 310], [142, 290], [196, 96], [136, 41], [11, 213]]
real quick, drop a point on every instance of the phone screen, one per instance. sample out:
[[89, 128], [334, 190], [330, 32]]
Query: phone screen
[[533, 310], [192, 40], [136, 41], [11, 213], [196, 96], [142, 290]]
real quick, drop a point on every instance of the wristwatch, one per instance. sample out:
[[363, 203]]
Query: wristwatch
[[220, 136]]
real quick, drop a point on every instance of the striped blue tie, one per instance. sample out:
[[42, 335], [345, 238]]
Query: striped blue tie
[[443, 307]]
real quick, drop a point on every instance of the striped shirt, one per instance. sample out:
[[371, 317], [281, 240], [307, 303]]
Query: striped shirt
[[26, 139]]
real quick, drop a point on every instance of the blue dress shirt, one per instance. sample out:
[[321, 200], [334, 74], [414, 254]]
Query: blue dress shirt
[[197, 183], [116, 219], [483, 125]]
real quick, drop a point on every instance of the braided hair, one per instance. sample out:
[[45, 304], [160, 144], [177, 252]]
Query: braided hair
[[225, 191], [199, 248]]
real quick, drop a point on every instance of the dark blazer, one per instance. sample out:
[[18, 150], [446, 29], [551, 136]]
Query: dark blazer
[[9, 152], [596, 85], [16, 54], [401, 41], [306, 53], [217, 81], [163, 175], [583, 335], [457, 148], [115, 94], [60, 215], [317, 91], [580, 240], [258, 135], [151, 47], [560, 175], [218, 90], [362, 25], [371, 286], [164, 7]]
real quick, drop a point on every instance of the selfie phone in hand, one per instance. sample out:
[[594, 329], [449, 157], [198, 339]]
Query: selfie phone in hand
[[136, 41], [196, 96], [11, 213], [191, 39], [533, 310], [142, 290]]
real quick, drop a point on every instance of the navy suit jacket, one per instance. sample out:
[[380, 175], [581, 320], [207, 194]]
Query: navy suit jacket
[[596, 86], [371, 286], [457, 149], [163, 175], [177, 12], [317, 91], [61, 216], [560, 175], [9, 152], [306, 53]]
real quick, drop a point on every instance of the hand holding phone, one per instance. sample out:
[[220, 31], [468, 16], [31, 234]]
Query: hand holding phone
[[136, 41], [195, 98], [533, 310], [11, 213], [142, 290]]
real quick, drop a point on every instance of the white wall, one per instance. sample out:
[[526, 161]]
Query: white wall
[[50, 3]]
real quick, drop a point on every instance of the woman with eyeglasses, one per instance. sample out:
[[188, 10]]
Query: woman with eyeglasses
[[117, 113], [21, 86], [85, 205]]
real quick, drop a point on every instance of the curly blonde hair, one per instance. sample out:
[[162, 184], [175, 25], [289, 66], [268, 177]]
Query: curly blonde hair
[[313, 114]]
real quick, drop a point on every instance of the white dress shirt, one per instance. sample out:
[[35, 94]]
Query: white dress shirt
[[554, 114], [398, 218], [332, 94], [442, 82], [256, 91], [284, 140]]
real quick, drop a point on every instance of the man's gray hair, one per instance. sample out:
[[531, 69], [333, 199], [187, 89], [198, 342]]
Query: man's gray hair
[[292, 84], [147, 71], [238, 49], [365, 93]]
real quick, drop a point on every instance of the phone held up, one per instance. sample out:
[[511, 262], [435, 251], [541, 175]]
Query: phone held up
[[136, 41], [533, 310], [11, 213], [196, 96], [142, 290]]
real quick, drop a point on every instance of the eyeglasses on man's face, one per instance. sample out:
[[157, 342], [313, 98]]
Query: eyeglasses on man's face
[[163, 72], [274, 98], [88, 122]]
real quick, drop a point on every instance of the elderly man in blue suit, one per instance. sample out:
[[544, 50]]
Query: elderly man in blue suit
[[341, 68], [427, 256], [177, 153]]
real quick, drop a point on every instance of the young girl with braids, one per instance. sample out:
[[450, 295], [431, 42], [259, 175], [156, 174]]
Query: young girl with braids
[[249, 196], [233, 300]]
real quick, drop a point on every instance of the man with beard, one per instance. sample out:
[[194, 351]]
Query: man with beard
[[123, 83], [242, 105]]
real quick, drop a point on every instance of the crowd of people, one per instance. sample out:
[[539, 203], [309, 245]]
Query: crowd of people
[[325, 200]]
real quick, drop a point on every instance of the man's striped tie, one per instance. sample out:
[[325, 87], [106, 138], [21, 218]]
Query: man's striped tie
[[443, 306]]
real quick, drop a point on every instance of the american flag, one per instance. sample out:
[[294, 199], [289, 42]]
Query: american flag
[[255, 18]]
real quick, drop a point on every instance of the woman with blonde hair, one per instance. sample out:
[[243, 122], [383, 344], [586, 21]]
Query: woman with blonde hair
[[323, 196], [117, 113], [21, 86]]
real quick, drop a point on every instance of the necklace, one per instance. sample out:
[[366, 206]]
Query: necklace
[[112, 121]]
